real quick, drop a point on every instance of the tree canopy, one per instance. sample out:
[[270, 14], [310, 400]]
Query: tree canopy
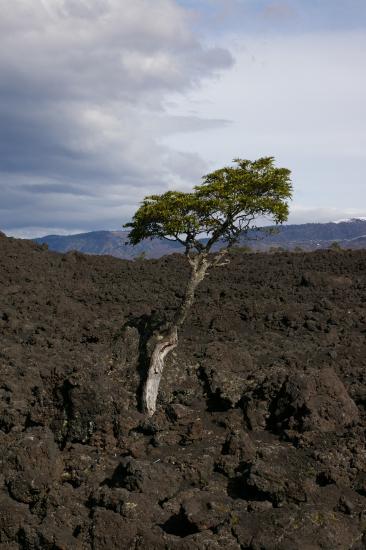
[[224, 206]]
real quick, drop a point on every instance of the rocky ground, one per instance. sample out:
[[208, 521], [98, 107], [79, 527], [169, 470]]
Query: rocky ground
[[259, 439]]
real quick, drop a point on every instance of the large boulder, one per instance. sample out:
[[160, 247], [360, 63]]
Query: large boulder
[[33, 465], [314, 400], [224, 372]]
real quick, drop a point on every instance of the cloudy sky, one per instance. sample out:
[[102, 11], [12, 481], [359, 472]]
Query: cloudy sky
[[105, 101]]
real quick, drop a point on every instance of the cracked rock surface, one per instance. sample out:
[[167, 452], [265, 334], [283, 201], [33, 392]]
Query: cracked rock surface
[[259, 437]]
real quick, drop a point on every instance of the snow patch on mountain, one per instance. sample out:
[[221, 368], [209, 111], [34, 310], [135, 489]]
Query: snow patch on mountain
[[350, 220]]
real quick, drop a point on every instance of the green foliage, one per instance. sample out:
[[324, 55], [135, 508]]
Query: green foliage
[[223, 207], [140, 257], [335, 246]]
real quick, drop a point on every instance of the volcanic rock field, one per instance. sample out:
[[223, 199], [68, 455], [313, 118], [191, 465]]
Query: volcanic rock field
[[259, 438]]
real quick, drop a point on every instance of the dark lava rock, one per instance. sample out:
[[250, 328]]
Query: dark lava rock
[[258, 441], [264, 478], [314, 400], [32, 465], [287, 529]]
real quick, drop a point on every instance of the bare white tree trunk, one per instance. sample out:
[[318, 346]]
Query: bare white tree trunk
[[168, 340], [164, 345]]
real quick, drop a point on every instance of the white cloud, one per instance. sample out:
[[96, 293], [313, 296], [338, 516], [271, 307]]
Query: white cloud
[[298, 98], [82, 107]]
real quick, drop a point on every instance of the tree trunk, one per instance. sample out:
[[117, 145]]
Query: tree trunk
[[168, 340]]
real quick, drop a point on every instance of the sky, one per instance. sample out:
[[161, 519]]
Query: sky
[[103, 102]]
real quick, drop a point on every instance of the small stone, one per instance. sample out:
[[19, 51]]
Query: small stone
[[345, 506]]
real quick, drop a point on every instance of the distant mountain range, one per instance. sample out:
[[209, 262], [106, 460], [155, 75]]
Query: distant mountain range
[[310, 236]]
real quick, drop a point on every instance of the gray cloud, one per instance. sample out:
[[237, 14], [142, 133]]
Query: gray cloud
[[84, 90]]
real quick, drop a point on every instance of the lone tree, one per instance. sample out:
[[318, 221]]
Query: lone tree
[[217, 212]]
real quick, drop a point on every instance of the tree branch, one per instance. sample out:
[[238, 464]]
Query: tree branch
[[217, 262], [170, 240]]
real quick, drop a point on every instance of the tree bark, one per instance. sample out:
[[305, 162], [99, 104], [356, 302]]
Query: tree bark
[[168, 340]]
